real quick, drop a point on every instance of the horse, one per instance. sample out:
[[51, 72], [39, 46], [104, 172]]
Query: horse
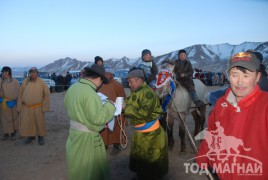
[[181, 103]]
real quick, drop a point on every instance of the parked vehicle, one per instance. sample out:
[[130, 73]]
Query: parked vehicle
[[50, 83], [19, 78]]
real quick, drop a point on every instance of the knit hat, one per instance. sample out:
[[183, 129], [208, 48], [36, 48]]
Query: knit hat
[[145, 51], [182, 51], [98, 70], [245, 59]]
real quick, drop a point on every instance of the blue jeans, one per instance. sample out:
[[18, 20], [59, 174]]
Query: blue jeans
[[194, 96]]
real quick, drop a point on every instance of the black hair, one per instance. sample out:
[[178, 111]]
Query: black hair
[[182, 51], [243, 69]]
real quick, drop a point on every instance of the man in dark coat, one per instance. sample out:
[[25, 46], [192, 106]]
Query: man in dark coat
[[184, 74], [68, 79]]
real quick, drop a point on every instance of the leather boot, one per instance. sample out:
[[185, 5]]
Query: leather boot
[[116, 149], [13, 135], [28, 140], [5, 137], [41, 140]]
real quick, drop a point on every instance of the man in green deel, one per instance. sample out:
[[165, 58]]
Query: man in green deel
[[149, 154], [85, 151]]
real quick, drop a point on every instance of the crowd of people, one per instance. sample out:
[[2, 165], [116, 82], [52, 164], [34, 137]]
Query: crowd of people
[[242, 112], [210, 78], [62, 82]]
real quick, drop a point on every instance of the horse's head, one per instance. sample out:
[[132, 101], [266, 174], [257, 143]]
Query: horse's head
[[163, 79], [162, 91]]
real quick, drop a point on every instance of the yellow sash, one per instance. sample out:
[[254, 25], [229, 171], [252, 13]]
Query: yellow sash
[[35, 105], [4, 103]]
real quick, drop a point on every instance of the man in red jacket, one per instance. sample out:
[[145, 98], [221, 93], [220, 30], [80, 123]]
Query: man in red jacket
[[235, 142]]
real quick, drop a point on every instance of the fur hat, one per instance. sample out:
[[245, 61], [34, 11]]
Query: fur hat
[[247, 60], [7, 69], [98, 58], [98, 70]]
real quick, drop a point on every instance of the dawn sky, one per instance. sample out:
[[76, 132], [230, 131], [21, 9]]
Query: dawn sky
[[36, 32]]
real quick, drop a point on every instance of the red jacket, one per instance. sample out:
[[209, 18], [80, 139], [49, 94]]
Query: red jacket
[[245, 130]]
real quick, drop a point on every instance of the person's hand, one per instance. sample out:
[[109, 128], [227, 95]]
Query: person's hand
[[111, 102], [124, 105]]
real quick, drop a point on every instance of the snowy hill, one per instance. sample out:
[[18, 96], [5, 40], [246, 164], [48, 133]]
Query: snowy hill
[[206, 57], [215, 57], [64, 65]]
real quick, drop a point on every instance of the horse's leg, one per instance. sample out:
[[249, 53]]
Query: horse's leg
[[197, 120], [202, 110], [170, 123], [163, 121], [182, 132]]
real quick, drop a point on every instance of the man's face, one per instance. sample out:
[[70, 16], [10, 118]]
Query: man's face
[[147, 57], [134, 83], [5, 75], [33, 75], [99, 63], [242, 84], [182, 56], [98, 82], [109, 75]]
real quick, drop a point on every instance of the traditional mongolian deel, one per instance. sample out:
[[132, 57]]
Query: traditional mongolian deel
[[247, 123], [34, 100], [85, 151], [148, 156], [9, 92], [113, 90]]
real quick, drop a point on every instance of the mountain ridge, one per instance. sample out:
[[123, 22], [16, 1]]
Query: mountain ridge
[[202, 56]]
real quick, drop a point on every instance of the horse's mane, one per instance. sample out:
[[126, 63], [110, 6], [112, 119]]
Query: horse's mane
[[178, 84]]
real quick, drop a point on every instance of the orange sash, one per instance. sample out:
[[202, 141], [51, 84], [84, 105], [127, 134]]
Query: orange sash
[[152, 128]]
